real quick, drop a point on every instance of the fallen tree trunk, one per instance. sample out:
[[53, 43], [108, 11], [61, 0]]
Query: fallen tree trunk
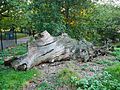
[[49, 49]]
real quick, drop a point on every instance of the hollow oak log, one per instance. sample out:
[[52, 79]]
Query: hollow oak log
[[47, 48]]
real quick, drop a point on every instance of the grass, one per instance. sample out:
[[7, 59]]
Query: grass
[[107, 80], [105, 62], [14, 80], [21, 35], [62, 78], [19, 49], [116, 53], [46, 86], [11, 79], [65, 75], [117, 44], [114, 71], [13, 51]]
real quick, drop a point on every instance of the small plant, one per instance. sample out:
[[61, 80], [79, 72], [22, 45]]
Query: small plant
[[116, 53], [114, 71], [46, 86], [92, 70], [65, 75], [84, 66]]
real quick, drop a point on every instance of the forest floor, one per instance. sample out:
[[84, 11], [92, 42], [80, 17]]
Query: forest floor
[[50, 70]]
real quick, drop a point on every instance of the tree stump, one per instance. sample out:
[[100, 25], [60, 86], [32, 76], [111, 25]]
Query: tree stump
[[47, 48]]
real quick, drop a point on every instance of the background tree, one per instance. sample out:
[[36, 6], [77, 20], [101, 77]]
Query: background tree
[[106, 22], [58, 15], [15, 14], [46, 16]]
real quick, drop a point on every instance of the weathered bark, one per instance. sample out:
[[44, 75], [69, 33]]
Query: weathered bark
[[49, 49]]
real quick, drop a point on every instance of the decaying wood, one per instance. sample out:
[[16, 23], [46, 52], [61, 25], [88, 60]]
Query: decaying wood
[[47, 48]]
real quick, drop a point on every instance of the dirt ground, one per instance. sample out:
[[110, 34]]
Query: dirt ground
[[49, 70]]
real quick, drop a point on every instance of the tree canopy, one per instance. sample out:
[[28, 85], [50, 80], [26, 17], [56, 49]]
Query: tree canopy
[[78, 18]]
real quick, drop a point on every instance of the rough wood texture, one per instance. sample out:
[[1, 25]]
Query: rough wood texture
[[49, 49]]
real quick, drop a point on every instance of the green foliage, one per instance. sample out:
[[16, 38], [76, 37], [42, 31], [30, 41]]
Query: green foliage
[[116, 53], [21, 35], [114, 71], [1, 61], [105, 21], [46, 86], [18, 50], [14, 80], [46, 16], [105, 62], [16, 14], [13, 51], [65, 75], [62, 78], [107, 80], [4, 8], [79, 18], [97, 82]]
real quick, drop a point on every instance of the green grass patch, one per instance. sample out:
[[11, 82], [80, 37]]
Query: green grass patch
[[19, 49], [13, 51], [1, 62], [65, 75], [114, 71], [21, 35], [106, 80], [116, 44], [14, 80], [106, 62], [116, 53], [46, 86], [62, 78]]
